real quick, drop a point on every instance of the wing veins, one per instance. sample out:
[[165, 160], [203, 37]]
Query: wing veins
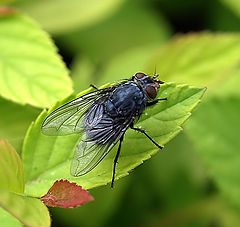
[[57, 113], [67, 119], [100, 159]]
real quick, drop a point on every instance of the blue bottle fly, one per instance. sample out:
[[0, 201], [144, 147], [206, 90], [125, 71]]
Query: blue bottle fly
[[103, 116]]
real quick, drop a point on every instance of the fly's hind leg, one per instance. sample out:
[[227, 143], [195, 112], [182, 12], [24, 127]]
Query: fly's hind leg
[[155, 101], [115, 160], [143, 132]]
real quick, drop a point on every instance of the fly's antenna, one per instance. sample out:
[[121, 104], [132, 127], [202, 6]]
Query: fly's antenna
[[157, 75], [155, 70]]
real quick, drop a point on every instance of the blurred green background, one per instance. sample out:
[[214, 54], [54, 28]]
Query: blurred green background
[[195, 181]]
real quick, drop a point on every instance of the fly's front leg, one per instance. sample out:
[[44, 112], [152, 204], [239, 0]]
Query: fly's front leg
[[155, 102], [143, 132], [115, 160], [93, 86]]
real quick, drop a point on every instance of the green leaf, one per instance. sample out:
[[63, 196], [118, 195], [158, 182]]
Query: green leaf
[[120, 66], [230, 87], [29, 211], [184, 171], [11, 169], [213, 60], [132, 26], [234, 5], [206, 59], [128, 63], [4, 2], [47, 159], [7, 220], [215, 132], [31, 71], [77, 14], [220, 18], [82, 73], [14, 121]]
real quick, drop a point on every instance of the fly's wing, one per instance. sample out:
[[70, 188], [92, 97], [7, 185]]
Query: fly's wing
[[68, 118], [90, 152]]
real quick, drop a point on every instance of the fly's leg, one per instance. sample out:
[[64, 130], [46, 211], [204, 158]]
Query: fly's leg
[[93, 86], [155, 101], [143, 132], [115, 160]]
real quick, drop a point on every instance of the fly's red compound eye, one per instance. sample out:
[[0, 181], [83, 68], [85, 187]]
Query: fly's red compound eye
[[140, 75], [151, 92]]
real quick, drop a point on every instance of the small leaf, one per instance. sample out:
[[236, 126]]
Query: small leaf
[[11, 169], [106, 208], [6, 10], [29, 211], [65, 194], [31, 71], [48, 158]]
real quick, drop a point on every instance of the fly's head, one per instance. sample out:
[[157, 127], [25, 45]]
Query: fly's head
[[149, 85]]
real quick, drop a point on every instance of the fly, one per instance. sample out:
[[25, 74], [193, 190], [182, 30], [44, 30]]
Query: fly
[[103, 116]]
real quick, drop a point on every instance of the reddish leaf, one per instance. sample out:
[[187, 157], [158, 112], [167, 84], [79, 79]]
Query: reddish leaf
[[65, 194]]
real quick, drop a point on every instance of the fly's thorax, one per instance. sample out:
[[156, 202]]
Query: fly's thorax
[[149, 85], [126, 100]]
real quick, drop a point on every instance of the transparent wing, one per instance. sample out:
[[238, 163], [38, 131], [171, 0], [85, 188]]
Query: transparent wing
[[89, 153], [68, 118]]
